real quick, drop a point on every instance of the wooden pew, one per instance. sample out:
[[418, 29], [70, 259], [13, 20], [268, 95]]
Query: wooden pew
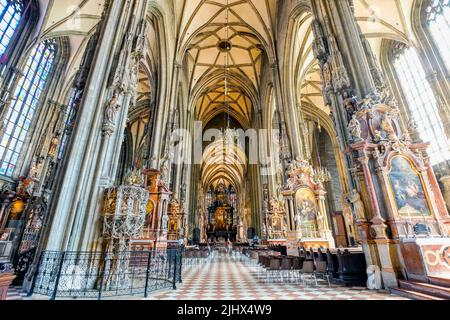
[[352, 269]]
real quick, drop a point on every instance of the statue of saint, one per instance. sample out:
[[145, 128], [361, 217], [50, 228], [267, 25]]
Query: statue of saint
[[165, 170], [354, 127], [109, 118], [386, 125], [36, 168], [164, 222], [54, 143], [358, 205], [327, 74]]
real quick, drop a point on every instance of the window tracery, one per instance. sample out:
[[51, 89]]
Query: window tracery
[[438, 22], [20, 113], [421, 101], [10, 17]]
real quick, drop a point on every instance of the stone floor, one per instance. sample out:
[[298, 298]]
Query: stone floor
[[231, 279], [227, 278]]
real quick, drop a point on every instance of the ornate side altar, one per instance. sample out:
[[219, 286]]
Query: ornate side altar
[[400, 187], [275, 226], [177, 220], [305, 201]]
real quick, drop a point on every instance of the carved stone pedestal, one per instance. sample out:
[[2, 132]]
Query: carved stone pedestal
[[389, 266]]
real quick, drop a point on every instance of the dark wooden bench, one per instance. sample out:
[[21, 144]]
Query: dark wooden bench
[[333, 264], [352, 269]]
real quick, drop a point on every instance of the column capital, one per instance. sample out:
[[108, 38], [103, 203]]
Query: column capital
[[364, 159]]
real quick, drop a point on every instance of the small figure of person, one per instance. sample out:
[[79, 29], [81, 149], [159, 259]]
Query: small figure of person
[[229, 246]]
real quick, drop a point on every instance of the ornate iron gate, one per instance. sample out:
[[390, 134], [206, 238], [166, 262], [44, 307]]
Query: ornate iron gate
[[92, 275]]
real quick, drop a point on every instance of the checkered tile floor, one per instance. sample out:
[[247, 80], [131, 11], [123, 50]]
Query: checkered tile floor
[[230, 279], [226, 279], [16, 294]]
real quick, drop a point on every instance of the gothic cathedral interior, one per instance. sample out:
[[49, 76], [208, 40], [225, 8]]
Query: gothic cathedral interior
[[152, 145]]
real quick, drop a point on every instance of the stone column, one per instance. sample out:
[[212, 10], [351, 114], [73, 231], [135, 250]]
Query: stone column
[[78, 181], [350, 74], [288, 115]]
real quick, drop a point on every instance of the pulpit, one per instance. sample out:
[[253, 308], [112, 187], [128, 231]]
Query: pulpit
[[156, 226]]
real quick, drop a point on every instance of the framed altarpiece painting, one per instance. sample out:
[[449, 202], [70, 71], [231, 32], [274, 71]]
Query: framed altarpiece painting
[[408, 189]]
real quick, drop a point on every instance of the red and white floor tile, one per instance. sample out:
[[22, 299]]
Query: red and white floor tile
[[226, 279], [16, 294]]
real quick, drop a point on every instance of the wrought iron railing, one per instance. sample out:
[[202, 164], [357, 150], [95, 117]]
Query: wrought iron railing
[[93, 275]]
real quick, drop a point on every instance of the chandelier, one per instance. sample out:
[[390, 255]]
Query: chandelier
[[225, 46], [321, 174]]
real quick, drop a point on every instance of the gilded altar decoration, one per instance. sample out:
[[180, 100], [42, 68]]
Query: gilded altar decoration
[[220, 217], [176, 224], [275, 224], [408, 189]]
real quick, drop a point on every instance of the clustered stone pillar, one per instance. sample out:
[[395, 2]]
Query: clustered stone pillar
[[91, 158], [355, 89]]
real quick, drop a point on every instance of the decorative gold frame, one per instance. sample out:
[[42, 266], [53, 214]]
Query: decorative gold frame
[[419, 174]]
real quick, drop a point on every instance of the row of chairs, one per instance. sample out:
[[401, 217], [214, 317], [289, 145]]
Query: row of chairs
[[196, 257], [291, 269]]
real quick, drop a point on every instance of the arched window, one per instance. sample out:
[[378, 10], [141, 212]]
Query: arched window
[[438, 20], [421, 102], [22, 109], [10, 16]]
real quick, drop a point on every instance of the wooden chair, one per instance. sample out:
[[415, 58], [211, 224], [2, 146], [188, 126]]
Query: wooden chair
[[308, 270], [273, 268], [321, 269]]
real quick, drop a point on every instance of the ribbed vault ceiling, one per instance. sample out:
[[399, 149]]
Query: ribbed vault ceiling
[[223, 163], [249, 31], [199, 27]]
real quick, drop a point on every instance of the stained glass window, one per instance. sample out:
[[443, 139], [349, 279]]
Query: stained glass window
[[21, 111], [422, 103], [10, 16], [438, 19]]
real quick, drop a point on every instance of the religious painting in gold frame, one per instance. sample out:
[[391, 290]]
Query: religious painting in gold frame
[[276, 223], [306, 206], [408, 189]]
